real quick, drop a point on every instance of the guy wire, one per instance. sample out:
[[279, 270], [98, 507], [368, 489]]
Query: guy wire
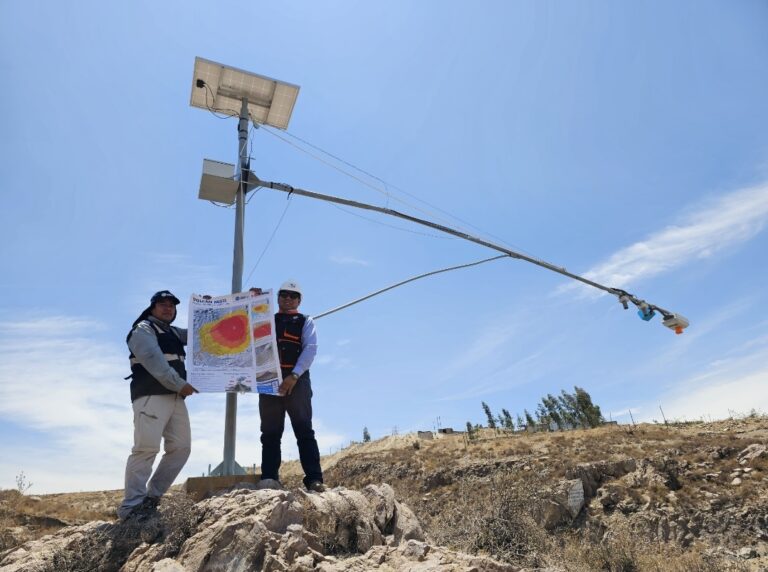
[[433, 272], [387, 185]]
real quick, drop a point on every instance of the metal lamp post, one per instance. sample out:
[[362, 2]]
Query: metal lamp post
[[230, 91]]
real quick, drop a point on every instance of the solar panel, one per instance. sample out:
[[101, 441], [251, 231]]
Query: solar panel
[[270, 101]]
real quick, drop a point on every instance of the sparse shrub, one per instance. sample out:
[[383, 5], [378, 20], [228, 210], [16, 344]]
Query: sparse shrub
[[86, 554], [492, 518], [22, 484], [107, 547], [10, 505], [337, 532], [179, 517], [625, 551]]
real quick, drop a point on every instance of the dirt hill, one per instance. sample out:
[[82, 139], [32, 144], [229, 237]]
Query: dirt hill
[[649, 497]]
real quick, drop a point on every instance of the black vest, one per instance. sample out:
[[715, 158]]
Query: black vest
[[142, 382], [288, 329]]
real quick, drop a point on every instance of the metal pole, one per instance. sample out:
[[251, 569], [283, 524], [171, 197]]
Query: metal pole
[[624, 297], [230, 419]]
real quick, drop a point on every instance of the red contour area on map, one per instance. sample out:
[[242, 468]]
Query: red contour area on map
[[230, 332]]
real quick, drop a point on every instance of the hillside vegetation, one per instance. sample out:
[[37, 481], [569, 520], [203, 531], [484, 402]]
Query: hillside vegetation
[[682, 496], [673, 497]]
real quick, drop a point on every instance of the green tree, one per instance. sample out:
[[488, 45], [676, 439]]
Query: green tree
[[470, 431], [489, 414], [542, 417], [590, 412], [507, 421], [553, 410], [529, 420], [568, 407], [366, 435]]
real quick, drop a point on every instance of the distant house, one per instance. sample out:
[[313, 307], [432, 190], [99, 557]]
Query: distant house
[[446, 430], [424, 434]]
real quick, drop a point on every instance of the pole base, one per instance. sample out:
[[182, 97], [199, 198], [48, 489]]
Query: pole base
[[199, 488], [219, 470]]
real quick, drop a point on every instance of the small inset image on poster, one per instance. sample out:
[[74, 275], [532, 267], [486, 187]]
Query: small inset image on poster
[[261, 310], [268, 382], [265, 355], [262, 329], [240, 384]]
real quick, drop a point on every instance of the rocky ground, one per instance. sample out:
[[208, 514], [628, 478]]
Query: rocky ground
[[650, 497], [336, 531]]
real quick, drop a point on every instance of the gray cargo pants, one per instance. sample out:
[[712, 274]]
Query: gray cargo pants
[[155, 417]]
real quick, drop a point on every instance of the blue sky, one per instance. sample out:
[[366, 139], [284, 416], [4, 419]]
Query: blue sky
[[625, 141]]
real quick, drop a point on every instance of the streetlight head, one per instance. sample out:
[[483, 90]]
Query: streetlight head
[[221, 88], [218, 183]]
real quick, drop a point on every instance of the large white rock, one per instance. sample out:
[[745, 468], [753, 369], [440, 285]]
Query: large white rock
[[340, 530]]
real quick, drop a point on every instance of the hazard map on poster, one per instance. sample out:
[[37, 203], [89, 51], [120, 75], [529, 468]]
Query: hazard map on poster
[[232, 343]]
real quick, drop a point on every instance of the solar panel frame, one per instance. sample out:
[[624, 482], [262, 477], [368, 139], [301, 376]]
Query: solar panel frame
[[270, 101]]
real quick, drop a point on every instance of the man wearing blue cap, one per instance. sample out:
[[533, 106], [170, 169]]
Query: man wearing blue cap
[[158, 388]]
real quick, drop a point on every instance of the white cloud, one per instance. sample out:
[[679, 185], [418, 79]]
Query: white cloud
[[334, 362], [52, 326], [349, 260], [521, 372], [486, 345], [713, 226], [732, 386], [326, 439], [64, 388]]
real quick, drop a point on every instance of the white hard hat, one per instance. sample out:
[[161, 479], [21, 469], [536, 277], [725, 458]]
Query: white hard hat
[[291, 286]]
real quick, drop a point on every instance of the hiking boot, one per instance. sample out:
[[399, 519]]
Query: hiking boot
[[270, 484], [316, 487], [150, 503], [144, 510]]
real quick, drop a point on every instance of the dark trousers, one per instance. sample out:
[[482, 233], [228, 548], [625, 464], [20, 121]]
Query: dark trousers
[[298, 405]]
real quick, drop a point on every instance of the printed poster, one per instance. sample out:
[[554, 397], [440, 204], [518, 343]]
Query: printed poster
[[232, 345]]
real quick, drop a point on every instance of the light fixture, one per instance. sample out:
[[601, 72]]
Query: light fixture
[[222, 89], [218, 183]]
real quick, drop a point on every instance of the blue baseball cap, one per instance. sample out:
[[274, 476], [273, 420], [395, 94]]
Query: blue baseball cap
[[163, 295]]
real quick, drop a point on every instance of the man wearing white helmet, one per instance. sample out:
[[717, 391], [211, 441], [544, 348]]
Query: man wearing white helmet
[[297, 346]]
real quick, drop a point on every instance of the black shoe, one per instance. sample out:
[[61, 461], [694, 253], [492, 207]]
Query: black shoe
[[270, 484], [151, 503], [316, 487], [145, 510]]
